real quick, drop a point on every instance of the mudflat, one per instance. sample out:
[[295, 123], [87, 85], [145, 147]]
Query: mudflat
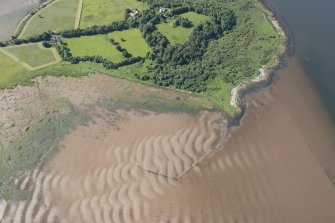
[[144, 166], [139, 142], [275, 167], [289, 134]]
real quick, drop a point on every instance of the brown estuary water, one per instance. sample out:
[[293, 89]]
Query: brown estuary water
[[312, 25], [312, 47], [278, 166]]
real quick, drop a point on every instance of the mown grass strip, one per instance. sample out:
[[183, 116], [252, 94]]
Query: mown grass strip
[[79, 12]]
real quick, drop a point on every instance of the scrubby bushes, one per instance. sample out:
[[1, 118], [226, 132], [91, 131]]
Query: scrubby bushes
[[94, 30], [183, 22], [180, 10], [46, 44]]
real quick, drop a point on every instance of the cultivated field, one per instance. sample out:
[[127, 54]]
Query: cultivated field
[[180, 34], [34, 55], [98, 45], [9, 69], [59, 15], [132, 41], [101, 12]]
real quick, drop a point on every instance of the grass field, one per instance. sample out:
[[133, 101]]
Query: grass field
[[98, 45], [174, 34], [59, 15], [34, 54], [102, 12], [9, 69], [194, 17], [180, 34], [132, 41], [219, 93]]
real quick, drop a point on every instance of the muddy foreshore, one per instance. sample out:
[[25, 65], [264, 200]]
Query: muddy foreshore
[[129, 167]]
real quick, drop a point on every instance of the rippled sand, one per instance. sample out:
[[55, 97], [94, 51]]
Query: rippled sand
[[276, 167], [106, 174]]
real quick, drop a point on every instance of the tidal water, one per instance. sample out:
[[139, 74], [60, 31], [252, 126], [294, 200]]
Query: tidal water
[[312, 24], [11, 13]]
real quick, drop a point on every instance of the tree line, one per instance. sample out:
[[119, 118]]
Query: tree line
[[90, 31]]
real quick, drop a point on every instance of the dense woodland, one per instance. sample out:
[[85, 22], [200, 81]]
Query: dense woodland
[[181, 65]]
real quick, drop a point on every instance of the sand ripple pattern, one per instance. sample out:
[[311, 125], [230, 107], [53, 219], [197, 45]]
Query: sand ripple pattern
[[120, 182], [174, 155]]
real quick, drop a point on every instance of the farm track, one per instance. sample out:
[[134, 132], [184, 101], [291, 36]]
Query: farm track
[[78, 17]]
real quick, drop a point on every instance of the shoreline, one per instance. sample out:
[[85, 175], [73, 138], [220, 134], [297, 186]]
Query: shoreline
[[28, 18], [267, 75], [23, 22]]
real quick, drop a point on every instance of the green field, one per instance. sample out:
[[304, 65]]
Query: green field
[[9, 69], [195, 18], [180, 34], [34, 54], [219, 93], [174, 34], [98, 45], [132, 41], [58, 16], [102, 12]]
